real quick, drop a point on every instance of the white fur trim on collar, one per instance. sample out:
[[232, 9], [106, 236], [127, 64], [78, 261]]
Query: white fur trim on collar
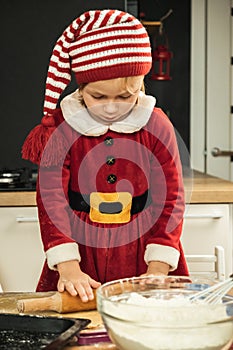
[[79, 119]]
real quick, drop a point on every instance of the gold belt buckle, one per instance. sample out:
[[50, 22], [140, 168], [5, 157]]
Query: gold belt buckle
[[110, 208]]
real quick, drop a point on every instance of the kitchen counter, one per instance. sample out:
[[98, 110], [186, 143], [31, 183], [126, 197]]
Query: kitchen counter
[[200, 188], [8, 305]]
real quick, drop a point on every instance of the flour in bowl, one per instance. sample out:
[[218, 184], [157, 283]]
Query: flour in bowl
[[148, 322]]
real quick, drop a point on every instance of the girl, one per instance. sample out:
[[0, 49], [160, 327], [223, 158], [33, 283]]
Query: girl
[[109, 193]]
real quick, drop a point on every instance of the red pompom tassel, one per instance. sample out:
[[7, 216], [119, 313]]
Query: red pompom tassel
[[35, 150]]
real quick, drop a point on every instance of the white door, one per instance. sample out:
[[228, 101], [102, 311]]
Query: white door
[[211, 81]]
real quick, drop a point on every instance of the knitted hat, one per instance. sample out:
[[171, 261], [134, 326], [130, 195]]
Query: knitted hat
[[98, 45]]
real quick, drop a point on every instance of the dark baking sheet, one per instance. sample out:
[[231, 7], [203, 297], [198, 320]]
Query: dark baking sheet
[[25, 332]]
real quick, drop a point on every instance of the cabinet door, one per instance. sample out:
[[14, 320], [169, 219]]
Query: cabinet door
[[21, 250], [205, 226], [210, 116]]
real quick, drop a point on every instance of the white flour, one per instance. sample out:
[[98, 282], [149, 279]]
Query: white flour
[[149, 329]]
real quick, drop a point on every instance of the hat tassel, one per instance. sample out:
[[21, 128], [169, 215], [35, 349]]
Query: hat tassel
[[34, 146]]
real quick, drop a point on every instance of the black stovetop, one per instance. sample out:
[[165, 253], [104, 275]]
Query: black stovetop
[[22, 179]]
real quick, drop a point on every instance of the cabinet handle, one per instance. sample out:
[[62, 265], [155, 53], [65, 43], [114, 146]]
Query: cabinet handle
[[26, 219], [203, 216]]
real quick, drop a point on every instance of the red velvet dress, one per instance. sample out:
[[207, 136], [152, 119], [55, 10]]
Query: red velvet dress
[[147, 159]]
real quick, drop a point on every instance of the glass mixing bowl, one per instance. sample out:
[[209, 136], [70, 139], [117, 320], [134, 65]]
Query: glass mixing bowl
[[154, 313]]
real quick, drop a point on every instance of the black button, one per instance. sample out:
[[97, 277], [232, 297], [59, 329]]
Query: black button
[[110, 160], [111, 178], [108, 141]]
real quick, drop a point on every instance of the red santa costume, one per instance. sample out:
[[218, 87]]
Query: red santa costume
[[109, 196]]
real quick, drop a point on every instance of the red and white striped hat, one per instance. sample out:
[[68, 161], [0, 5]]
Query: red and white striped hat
[[98, 45]]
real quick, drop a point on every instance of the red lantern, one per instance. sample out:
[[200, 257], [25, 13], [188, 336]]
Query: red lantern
[[161, 57]]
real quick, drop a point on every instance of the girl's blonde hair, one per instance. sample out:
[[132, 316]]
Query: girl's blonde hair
[[125, 84]]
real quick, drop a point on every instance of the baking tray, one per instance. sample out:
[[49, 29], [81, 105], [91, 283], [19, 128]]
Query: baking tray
[[26, 332]]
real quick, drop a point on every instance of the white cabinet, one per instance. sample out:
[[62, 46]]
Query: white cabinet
[[22, 256], [206, 226], [21, 250]]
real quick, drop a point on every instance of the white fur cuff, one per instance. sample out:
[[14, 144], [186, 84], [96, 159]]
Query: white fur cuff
[[166, 254], [61, 253]]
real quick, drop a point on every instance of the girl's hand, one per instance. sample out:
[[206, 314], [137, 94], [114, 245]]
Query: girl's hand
[[157, 271], [156, 268], [75, 281]]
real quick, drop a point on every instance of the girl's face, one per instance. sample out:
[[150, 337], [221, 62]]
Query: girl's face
[[111, 100]]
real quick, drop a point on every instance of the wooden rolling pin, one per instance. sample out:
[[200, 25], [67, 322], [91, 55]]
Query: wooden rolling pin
[[58, 302]]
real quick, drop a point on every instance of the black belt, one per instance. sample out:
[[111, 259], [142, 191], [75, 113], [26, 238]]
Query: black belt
[[80, 202]]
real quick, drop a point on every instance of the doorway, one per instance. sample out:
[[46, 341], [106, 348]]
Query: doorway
[[211, 101]]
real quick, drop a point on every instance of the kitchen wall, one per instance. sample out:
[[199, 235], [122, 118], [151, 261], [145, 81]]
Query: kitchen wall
[[174, 95], [29, 31]]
